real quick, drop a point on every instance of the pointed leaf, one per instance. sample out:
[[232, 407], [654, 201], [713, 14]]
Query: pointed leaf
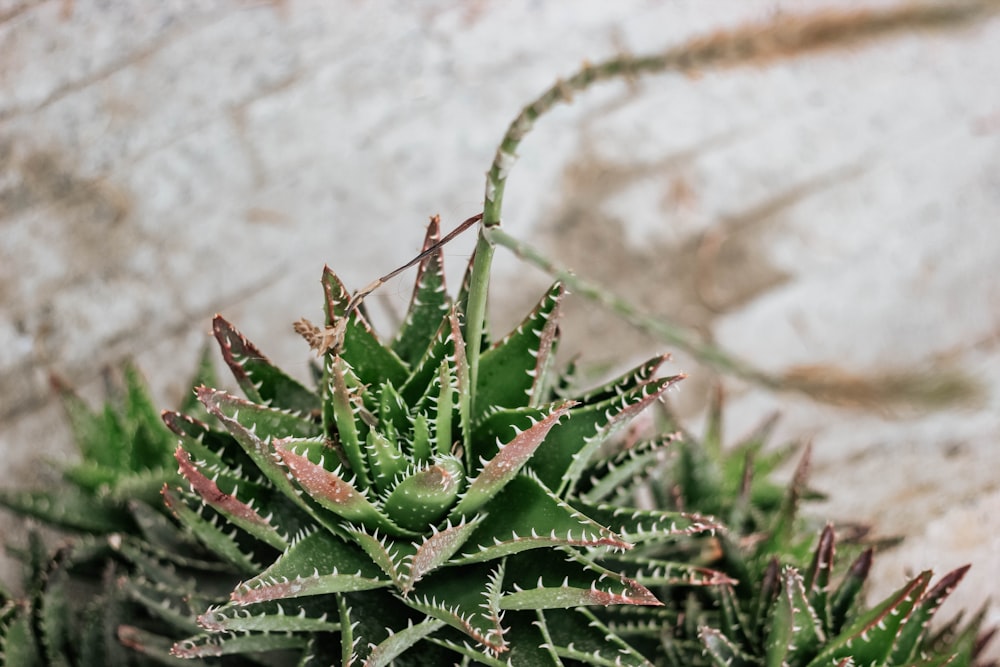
[[221, 541], [438, 548], [429, 303], [235, 510], [503, 467], [552, 579], [869, 639], [314, 565], [364, 353], [331, 489], [907, 644], [396, 644], [260, 380], [511, 373], [525, 516], [568, 450], [795, 631]]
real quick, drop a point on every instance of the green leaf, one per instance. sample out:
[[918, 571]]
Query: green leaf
[[437, 548], [221, 540], [617, 477], [907, 644], [579, 635], [208, 646], [512, 372], [385, 459], [260, 380], [722, 651], [331, 489], [429, 303], [503, 467], [458, 601], [795, 632], [636, 526], [372, 362], [68, 508], [525, 516], [396, 644], [316, 564], [869, 639], [568, 450], [304, 615], [557, 579], [347, 405], [423, 495]]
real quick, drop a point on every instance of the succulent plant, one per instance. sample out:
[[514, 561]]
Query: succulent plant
[[781, 599], [441, 498], [398, 487]]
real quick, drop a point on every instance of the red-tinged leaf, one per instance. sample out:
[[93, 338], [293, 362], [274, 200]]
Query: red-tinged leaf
[[817, 580], [869, 639], [908, 643], [372, 362], [429, 303], [331, 489], [437, 548], [503, 467], [205, 444], [260, 380], [238, 512], [221, 542], [657, 572], [847, 593], [553, 579], [317, 564], [253, 427]]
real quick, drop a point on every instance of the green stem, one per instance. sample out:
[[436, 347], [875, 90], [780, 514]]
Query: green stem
[[678, 336], [785, 37]]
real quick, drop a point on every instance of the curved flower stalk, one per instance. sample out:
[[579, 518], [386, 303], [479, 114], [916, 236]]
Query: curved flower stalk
[[398, 486]]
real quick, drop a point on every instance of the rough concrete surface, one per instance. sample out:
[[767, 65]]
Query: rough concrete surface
[[163, 161]]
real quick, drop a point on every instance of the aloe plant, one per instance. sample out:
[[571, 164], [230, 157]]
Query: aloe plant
[[782, 599], [397, 486], [440, 497]]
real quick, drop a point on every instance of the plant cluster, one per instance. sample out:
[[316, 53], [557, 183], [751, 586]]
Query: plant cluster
[[439, 497], [396, 515]]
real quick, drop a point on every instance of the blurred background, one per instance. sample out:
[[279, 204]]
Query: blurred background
[[160, 162]]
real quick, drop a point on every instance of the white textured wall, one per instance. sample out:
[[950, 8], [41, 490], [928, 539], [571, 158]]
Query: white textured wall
[[160, 162]]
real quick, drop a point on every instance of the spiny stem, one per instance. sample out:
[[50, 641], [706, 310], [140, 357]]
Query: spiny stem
[[754, 44]]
